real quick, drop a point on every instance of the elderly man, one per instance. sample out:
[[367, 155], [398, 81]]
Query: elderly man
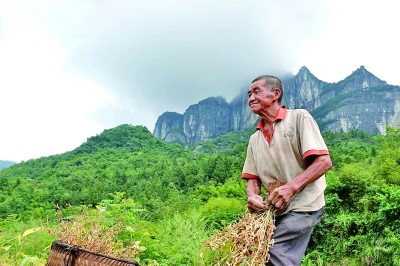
[[288, 155]]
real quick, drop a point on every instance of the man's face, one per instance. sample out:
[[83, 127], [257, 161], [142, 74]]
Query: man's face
[[260, 97]]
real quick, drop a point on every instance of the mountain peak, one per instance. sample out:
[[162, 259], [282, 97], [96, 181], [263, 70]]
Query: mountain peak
[[362, 70], [305, 74], [304, 69], [214, 100], [362, 75]]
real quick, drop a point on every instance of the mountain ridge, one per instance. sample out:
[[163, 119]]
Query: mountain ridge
[[5, 164], [345, 105]]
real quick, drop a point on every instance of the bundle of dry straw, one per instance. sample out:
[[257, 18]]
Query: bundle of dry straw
[[246, 242]]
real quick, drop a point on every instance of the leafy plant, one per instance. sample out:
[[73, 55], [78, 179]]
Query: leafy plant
[[16, 248]]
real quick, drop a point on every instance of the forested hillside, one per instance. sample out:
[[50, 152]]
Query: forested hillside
[[170, 199]]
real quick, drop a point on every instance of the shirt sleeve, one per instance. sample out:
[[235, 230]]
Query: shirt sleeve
[[311, 140], [249, 168]]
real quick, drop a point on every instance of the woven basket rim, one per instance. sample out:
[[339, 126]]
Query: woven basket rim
[[63, 245]]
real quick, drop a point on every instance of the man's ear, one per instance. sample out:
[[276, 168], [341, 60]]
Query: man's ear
[[277, 93]]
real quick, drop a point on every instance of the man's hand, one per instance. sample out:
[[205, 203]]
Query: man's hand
[[255, 203], [281, 196]]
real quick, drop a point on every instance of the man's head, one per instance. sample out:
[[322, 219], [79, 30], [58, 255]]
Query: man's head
[[271, 82], [264, 94]]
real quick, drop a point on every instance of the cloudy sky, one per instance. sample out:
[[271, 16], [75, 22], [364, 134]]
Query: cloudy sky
[[70, 69]]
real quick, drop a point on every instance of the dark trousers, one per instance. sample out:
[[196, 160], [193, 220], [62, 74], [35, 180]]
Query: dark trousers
[[291, 236]]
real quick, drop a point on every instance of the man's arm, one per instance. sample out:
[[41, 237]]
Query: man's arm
[[254, 200], [281, 196]]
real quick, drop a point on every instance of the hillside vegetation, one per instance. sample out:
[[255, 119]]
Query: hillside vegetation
[[168, 200]]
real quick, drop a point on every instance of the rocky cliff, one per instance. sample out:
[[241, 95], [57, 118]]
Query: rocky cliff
[[360, 101]]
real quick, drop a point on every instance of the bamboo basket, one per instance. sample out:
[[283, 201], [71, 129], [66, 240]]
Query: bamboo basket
[[63, 254]]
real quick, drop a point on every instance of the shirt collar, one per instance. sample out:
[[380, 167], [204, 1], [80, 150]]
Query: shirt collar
[[280, 115]]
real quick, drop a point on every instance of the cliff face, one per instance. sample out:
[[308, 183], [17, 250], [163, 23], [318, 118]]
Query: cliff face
[[207, 119], [367, 109], [302, 91], [360, 101], [169, 127]]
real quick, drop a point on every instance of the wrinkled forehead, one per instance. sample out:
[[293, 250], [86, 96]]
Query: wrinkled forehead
[[257, 85]]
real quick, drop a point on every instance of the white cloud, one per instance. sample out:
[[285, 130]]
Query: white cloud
[[45, 110], [70, 69], [356, 33]]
